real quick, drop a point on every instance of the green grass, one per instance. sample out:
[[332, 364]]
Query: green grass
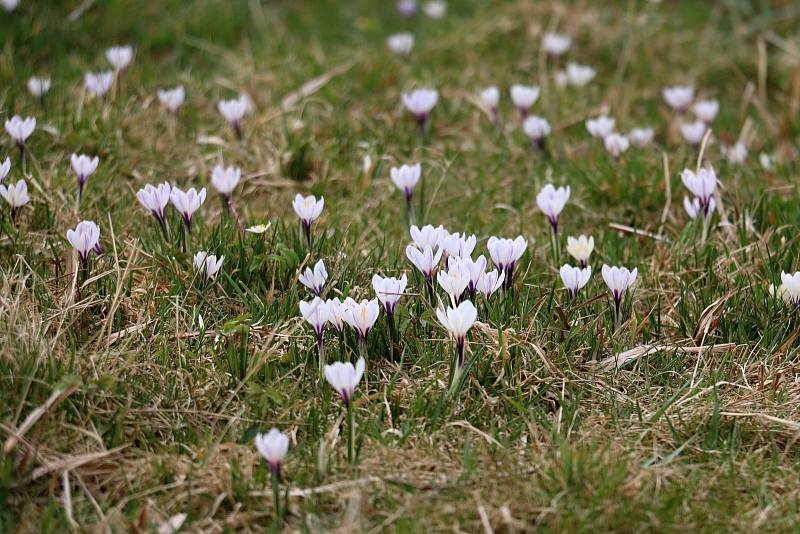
[[168, 378]]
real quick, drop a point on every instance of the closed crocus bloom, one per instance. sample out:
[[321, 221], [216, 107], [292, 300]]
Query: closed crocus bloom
[[693, 132], [361, 316], [580, 249], [98, 84], [574, 278], [600, 126], [551, 202], [556, 44], [187, 203], [155, 199], [616, 144], [9, 5], [233, 111], [435, 9], [337, 311], [736, 154], [308, 209], [678, 97], [225, 179], [316, 313], [405, 178], [706, 110], [389, 290], [579, 75], [536, 128], [641, 136], [424, 260], [207, 264], [83, 166], [273, 447], [407, 8], [523, 97], [119, 57], [401, 43], [427, 236], [618, 280], [456, 245], [172, 99], [457, 321], [420, 102], [38, 87], [505, 254], [16, 195], [454, 281], [84, 239], [791, 287], [489, 283], [314, 280], [20, 129], [490, 98], [474, 269], [344, 377], [5, 167], [702, 184]]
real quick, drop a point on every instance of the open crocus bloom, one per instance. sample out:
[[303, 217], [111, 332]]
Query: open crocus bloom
[[580, 249], [337, 311], [556, 44], [16, 195], [361, 316], [454, 281], [405, 178], [172, 99], [706, 110], [308, 208], [678, 97], [641, 136], [574, 278], [551, 202], [600, 126], [98, 84], [316, 313], [273, 447], [693, 132], [84, 238], [702, 184], [119, 57], [523, 97], [427, 236], [579, 75], [791, 287], [489, 283], [344, 377], [490, 98], [38, 87], [457, 321], [389, 290], [424, 260], [187, 203], [401, 43], [420, 102], [314, 280], [20, 129], [225, 179], [155, 199], [505, 254], [233, 111], [616, 144], [475, 269], [207, 264]]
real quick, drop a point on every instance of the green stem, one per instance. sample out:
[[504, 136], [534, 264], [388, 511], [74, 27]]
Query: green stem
[[351, 433]]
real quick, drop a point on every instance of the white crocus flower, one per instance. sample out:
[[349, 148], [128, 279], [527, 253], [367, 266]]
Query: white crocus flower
[[574, 278], [736, 154], [233, 111], [523, 97], [693, 132], [457, 321], [580, 249], [401, 43], [20, 129], [490, 98], [601, 126], [405, 178], [344, 377], [84, 239], [98, 84], [38, 87], [641, 137], [308, 209], [273, 447], [579, 75], [619, 280], [5, 168], [456, 245], [207, 264], [420, 102], [767, 161], [556, 44], [337, 311], [551, 202], [83, 166], [9, 5], [427, 236], [119, 57], [314, 280], [536, 128], [225, 180], [435, 9], [361, 316], [678, 97], [454, 280], [706, 110], [187, 203], [475, 269], [425, 261], [616, 144], [489, 283], [155, 199], [790, 283], [407, 8], [172, 99], [16, 195], [702, 184], [389, 290], [505, 254]]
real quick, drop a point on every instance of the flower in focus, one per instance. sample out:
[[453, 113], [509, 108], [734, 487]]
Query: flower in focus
[[119, 57], [475, 269], [16, 195], [273, 447], [489, 283], [616, 144], [207, 264], [706, 110], [580, 249], [225, 180], [155, 199], [579, 75], [98, 84], [678, 97], [536, 128], [425, 261], [337, 311], [420, 102], [790, 283], [454, 280], [233, 111], [693, 132], [361, 316], [456, 245], [523, 97], [574, 278], [314, 280], [427, 236], [344, 377], [618, 280], [389, 290], [556, 44], [38, 87], [187, 203], [84, 239], [641, 136], [401, 43], [457, 321], [316, 313], [308, 209], [505, 254], [20, 129], [601, 126], [5, 168], [551, 202], [83, 166], [172, 99], [435, 9]]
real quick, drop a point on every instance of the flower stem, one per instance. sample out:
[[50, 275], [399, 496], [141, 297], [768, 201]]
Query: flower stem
[[276, 496], [351, 433]]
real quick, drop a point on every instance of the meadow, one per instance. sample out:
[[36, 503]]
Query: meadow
[[152, 336]]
